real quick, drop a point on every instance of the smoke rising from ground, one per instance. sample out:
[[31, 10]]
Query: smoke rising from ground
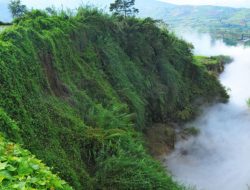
[[219, 158]]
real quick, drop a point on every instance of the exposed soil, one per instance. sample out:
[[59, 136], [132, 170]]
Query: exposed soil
[[160, 139], [58, 88]]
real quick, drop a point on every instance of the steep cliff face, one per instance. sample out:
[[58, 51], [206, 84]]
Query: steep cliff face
[[82, 88]]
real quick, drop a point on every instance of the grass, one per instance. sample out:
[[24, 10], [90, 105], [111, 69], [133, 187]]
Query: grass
[[214, 64]]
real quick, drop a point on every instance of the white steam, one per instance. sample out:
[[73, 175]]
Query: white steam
[[219, 158]]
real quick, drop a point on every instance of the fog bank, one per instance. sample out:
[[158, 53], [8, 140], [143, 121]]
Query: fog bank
[[219, 158]]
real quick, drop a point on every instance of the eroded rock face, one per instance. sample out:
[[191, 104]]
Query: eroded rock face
[[160, 139]]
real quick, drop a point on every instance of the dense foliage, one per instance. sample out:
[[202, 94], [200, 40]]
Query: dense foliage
[[20, 170], [82, 88], [214, 64]]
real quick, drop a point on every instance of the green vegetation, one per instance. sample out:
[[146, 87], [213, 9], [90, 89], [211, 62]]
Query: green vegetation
[[191, 131], [248, 102], [4, 25], [214, 64], [77, 91], [20, 170]]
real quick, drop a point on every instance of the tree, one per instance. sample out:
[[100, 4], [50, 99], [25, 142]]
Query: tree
[[51, 10], [17, 9], [124, 8]]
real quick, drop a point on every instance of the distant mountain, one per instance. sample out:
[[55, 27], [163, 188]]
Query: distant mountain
[[153, 8], [230, 24], [5, 15]]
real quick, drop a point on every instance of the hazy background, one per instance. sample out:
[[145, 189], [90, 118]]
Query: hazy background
[[144, 4], [73, 3], [218, 159], [41, 4], [231, 3]]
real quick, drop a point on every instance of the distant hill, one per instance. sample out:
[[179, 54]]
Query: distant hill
[[230, 24], [153, 8]]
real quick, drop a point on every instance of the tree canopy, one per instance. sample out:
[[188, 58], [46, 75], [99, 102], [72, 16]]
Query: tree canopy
[[16, 8], [124, 8]]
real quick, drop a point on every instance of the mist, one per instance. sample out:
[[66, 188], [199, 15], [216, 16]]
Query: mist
[[219, 158]]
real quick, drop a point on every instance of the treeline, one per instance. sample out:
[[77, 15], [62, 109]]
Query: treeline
[[4, 23]]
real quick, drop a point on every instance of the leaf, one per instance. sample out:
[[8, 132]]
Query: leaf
[[41, 183], [35, 166], [24, 168], [34, 180], [11, 168], [3, 165], [5, 175], [1, 178], [20, 185]]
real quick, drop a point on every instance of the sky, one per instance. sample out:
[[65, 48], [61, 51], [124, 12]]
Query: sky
[[75, 3], [42, 4], [104, 4], [65, 3], [231, 3], [59, 3]]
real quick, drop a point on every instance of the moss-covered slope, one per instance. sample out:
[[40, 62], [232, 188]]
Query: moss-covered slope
[[82, 88], [214, 64]]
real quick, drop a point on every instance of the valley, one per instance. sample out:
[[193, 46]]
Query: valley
[[218, 157], [232, 25]]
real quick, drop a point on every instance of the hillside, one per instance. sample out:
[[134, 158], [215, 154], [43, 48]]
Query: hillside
[[82, 89], [230, 24]]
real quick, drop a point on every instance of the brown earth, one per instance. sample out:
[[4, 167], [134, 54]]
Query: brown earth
[[160, 139]]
